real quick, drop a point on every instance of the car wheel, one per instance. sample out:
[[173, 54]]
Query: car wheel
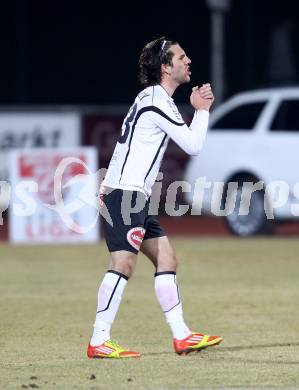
[[255, 221]]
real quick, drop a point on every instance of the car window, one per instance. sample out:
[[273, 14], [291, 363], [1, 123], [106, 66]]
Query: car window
[[242, 117], [287, 116]]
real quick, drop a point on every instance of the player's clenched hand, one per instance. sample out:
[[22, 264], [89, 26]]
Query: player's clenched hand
[[202, 97]]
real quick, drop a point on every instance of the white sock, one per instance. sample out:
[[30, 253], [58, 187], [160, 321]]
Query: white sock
[[168, 295], [109, 298]]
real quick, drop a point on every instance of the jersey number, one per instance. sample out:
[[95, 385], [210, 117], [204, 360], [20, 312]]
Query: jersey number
[[123, 138]]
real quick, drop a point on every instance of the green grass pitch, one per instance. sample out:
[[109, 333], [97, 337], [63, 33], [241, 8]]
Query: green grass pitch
[[246, 290]]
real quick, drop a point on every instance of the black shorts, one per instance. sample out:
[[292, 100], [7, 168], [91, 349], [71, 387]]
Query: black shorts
[[131, 224]]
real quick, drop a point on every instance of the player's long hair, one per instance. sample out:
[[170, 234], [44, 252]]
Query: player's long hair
[[152, 56]]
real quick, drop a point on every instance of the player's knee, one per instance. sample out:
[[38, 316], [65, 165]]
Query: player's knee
[[124, 264], [129, 268], [168, 263], [171, 259], [173, 263]]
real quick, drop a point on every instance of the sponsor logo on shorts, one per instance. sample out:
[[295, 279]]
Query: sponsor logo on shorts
[[135, 237]]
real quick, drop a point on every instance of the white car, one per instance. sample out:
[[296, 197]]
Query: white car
[[252, 137]]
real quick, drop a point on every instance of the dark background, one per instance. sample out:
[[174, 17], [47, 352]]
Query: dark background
[[87, 52]]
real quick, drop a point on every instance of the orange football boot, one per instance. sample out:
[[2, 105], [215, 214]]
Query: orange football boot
[[110, 349], [195, 342]]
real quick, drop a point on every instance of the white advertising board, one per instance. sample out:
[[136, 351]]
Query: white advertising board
[[33, 130], [53, 196]]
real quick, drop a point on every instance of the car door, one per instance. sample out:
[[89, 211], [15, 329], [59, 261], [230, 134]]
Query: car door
[[229, 147], [282, 150]]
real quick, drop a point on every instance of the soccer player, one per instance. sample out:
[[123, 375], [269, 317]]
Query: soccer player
[[151, 121]]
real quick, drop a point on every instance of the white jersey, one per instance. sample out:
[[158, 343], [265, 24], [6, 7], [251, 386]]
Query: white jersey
[[150, 122]]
